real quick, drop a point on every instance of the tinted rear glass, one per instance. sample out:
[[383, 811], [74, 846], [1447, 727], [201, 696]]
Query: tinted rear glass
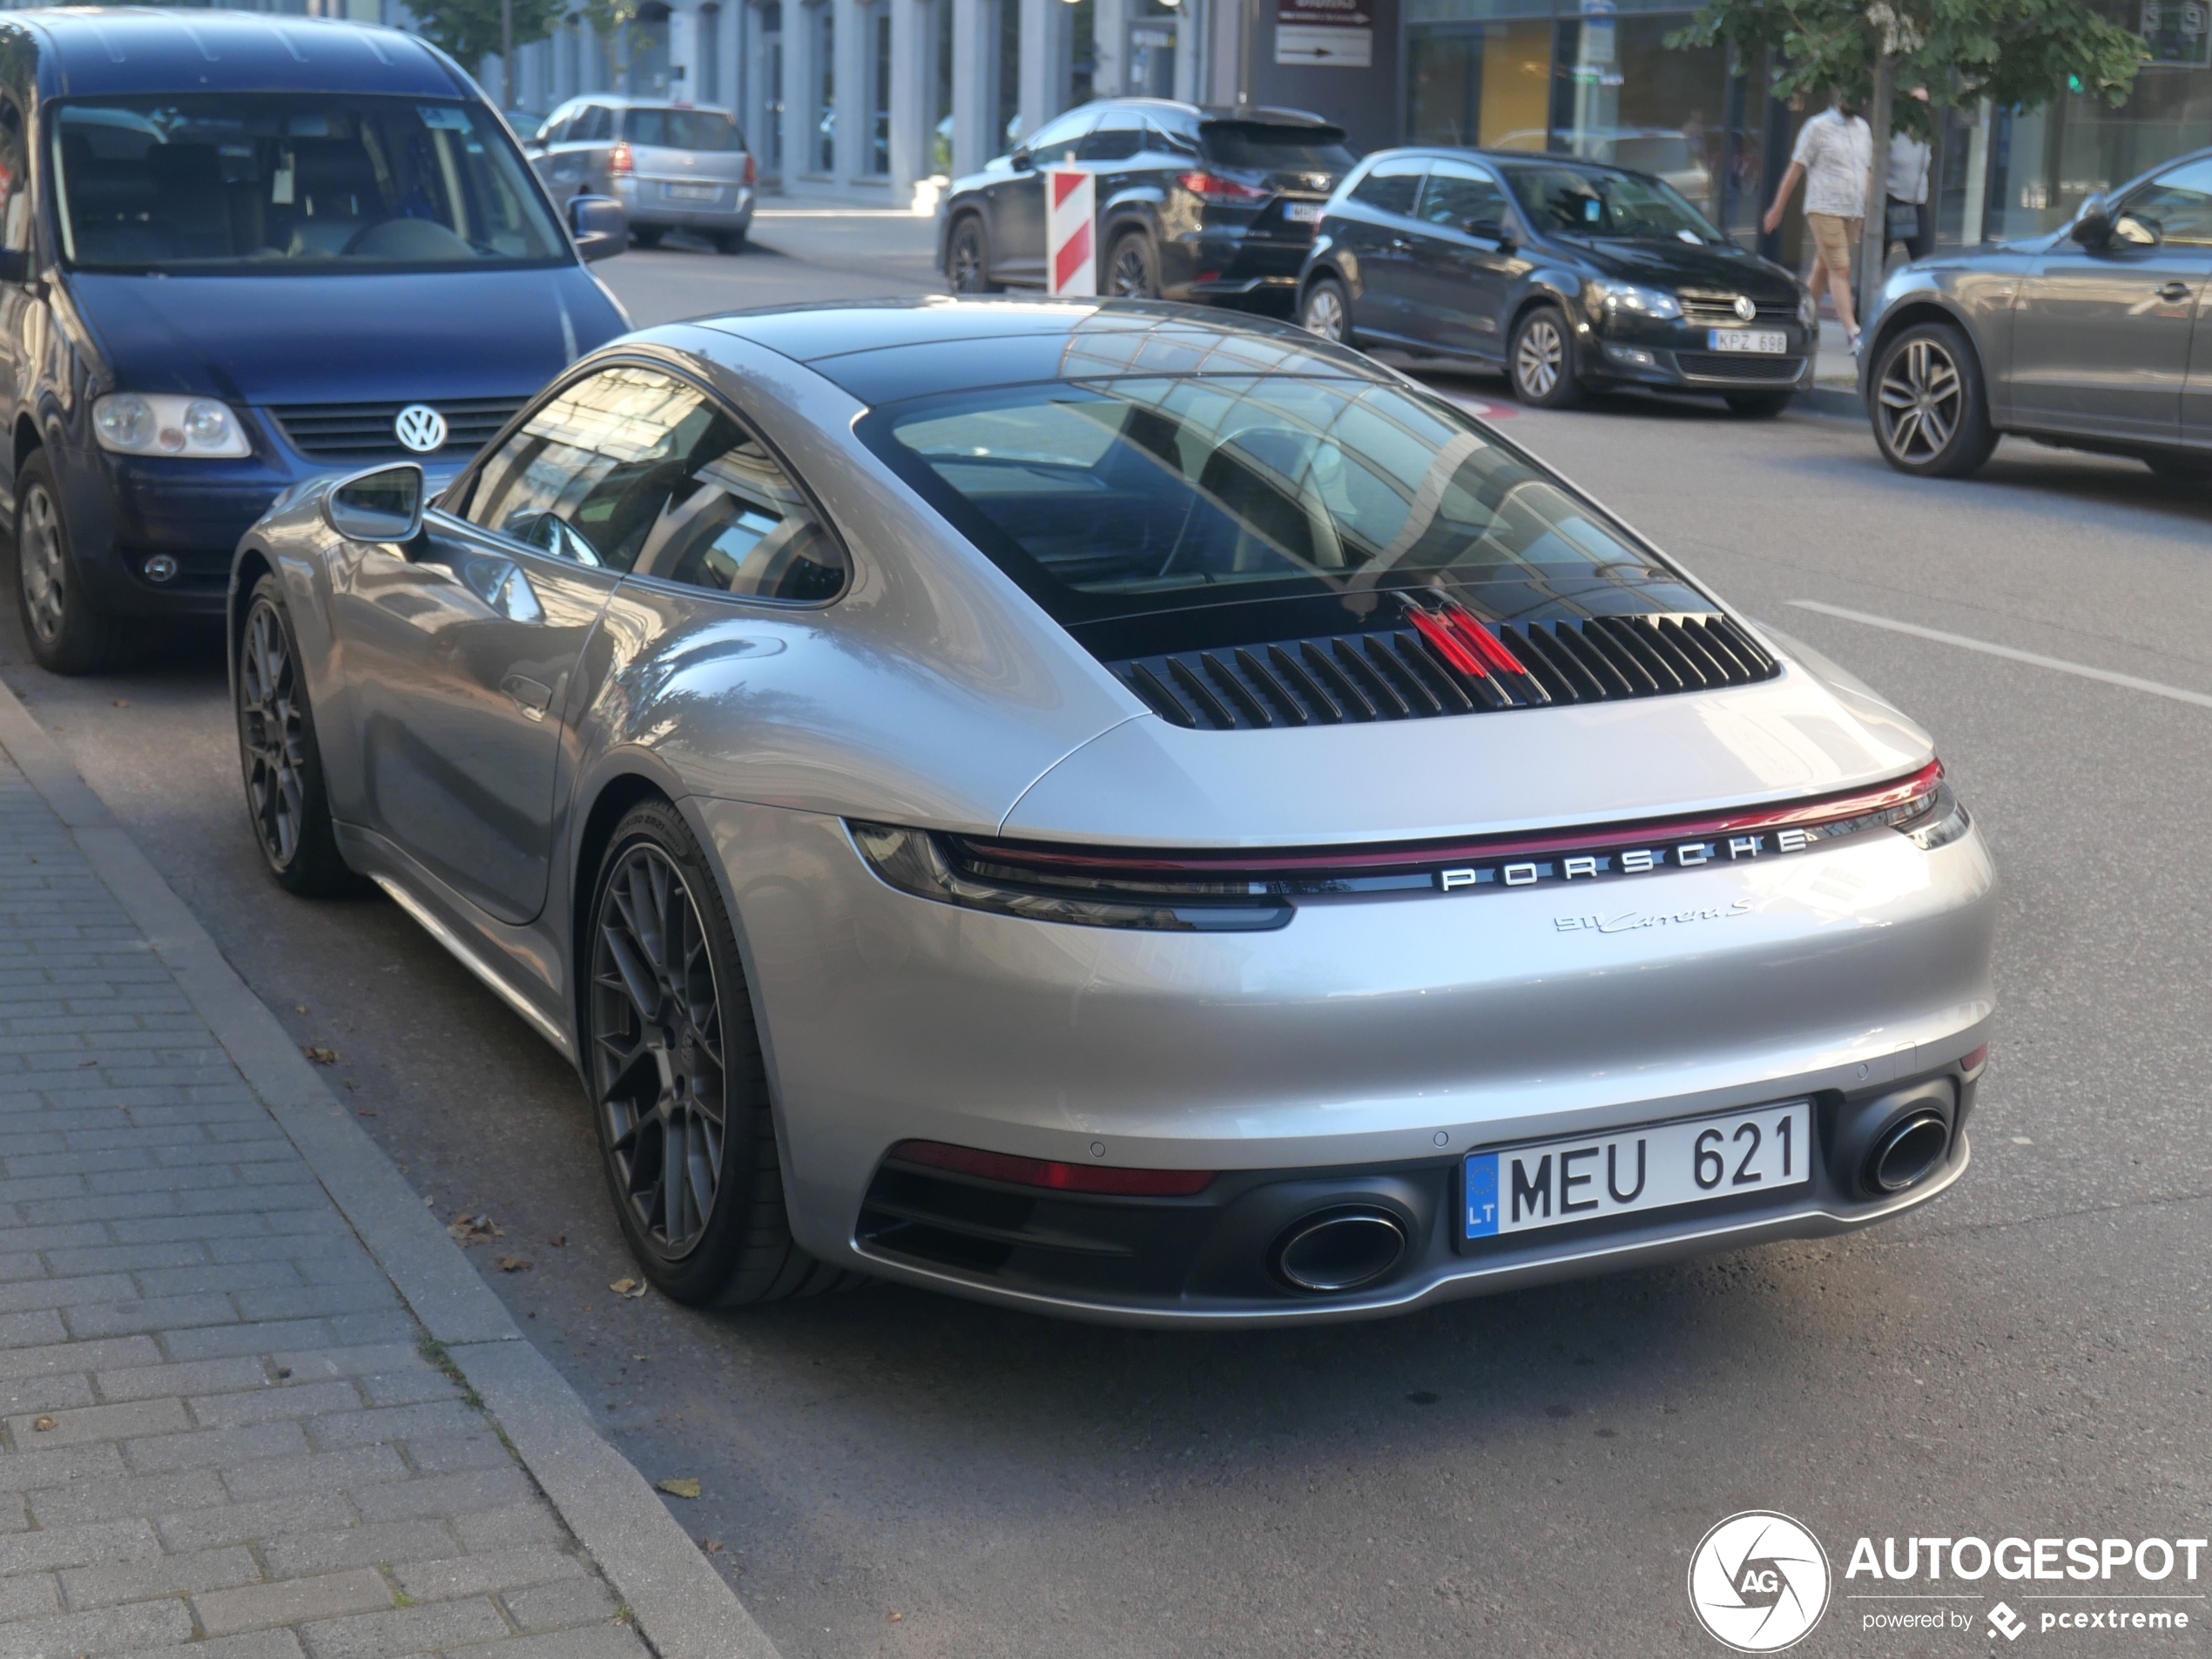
[[683, 130], [1141, 497], [1277, 149]]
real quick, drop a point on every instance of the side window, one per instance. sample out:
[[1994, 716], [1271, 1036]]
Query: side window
[[590, 474], [2178, 205], [1117, 137], [594, 125], [740, 526], [1170, 140], [554, 124], [1458, 195], [1391, 185], [1056, 140], [14, 178]]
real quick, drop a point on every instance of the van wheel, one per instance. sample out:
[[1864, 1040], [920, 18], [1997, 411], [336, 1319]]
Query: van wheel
[[1541, 361], [968, 259], [1930, 414], [678, 1088], [67, 631]]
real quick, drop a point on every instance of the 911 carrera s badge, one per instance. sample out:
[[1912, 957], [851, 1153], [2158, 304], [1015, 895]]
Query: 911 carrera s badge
[[419, 428]]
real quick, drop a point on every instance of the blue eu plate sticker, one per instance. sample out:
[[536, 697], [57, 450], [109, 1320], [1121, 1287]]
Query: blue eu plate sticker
[[1482, 1196]]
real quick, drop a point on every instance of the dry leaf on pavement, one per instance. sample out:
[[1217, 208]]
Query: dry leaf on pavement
[[631, 1288], [320, 1055], [467, 1229], [515, 1263], [43, 1424], [680, 1486]]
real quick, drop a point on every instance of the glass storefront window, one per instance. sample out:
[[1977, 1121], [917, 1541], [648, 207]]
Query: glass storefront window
[[824, 148], [1485, 84], [1620, 94]]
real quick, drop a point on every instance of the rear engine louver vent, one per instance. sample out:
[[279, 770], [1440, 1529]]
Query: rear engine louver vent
[[1400, 675]]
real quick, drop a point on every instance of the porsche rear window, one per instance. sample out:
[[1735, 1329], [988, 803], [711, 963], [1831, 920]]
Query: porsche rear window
[[1137, 495]]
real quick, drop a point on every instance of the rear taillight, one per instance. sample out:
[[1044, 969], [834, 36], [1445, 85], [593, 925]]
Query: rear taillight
[[618, 159], [748, 170], [1061, 1178], [1212, 188]]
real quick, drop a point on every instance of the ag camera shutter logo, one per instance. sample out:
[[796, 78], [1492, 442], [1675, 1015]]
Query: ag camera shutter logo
[[1758, 1582]]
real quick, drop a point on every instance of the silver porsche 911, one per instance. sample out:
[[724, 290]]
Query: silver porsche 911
[[1119, 811]]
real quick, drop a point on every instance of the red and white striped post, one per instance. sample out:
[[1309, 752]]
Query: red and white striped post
[[1071, 252]]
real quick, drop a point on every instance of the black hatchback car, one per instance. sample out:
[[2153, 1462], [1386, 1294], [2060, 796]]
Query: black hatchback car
[[1570, 276], [1193, 204]]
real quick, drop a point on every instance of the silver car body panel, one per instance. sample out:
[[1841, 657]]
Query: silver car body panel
[[1373, 1028]]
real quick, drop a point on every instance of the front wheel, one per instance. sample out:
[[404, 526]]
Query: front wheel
[[1133, 270], [1931, 415], [276, 751], [1541, 361], [67, 631], [1327, 311], [968, 259], [679, 1088]]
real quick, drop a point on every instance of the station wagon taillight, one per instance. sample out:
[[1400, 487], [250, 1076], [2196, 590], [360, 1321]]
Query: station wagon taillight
[[619, 160], [748, 169]]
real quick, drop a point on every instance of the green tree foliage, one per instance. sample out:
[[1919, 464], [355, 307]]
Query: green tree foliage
[[468, 29], [2025, 52]]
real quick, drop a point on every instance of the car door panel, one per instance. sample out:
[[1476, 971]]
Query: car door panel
[[1375, 222], [1456, 282]]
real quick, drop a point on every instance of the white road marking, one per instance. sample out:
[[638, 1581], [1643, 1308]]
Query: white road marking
[[2080, 670]]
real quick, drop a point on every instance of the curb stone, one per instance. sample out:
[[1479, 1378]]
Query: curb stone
[[681, 1605]]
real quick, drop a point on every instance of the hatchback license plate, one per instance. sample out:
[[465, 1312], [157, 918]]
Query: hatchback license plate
[[1765, 340], [694, 192], [1302, 213], [1649, 1166]]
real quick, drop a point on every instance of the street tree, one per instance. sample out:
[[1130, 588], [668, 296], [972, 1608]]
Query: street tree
[[471, 30]]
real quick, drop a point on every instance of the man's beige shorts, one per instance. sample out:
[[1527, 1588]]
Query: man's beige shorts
[[1833, 238]]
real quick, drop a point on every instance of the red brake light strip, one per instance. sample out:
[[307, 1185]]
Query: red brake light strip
[[1063, 1177]]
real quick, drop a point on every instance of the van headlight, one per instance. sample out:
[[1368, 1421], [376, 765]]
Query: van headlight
[[145, 423]]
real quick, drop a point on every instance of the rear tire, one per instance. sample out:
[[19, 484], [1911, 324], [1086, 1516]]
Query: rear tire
[[1326, 311], [67, 631], [1133, 270], [285, 791], [1930, 413], [1758, 406], [731, 241], [647, 235], [967, 258], [1540, 361], [682, 1082]]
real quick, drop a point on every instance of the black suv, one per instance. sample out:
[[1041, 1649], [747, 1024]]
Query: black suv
[[1193, 204], [1568, 274]]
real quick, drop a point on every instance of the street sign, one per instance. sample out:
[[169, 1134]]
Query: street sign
[[1071, 253], [1326, 34]]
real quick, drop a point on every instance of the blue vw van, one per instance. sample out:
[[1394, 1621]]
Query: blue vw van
[[237, 250]]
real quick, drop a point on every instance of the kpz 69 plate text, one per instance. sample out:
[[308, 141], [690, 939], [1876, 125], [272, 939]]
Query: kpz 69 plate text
[[1649, 1166], [1760, 340]]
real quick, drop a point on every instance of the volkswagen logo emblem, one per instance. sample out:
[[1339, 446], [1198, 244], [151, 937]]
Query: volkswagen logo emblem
[[1758, 1582], [1745, 308], [419, 428]]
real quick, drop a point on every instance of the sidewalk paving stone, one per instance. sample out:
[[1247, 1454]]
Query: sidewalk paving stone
[[219, 1432]]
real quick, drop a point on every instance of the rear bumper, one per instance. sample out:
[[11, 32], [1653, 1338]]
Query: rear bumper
[[1372, 1036], [647, 203]]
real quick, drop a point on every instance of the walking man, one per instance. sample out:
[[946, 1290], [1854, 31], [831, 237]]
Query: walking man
[[1835, 155]]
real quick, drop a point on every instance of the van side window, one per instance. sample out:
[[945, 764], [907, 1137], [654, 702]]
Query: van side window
[[594, 125], [14, 178]]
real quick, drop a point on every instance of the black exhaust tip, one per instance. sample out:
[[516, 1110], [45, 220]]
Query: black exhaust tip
[[1339, 1250], [1907, 1152]]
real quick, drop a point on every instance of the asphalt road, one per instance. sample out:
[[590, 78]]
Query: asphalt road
[[895, 1473]]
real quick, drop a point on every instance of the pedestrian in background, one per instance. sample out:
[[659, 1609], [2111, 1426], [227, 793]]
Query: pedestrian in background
[[1907, 217], [1835, 156]]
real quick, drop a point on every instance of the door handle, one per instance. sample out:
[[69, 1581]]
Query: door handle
[[1400, 243], [529, 696], [2175, 292]]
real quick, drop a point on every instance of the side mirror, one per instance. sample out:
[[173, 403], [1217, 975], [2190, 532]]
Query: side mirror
[[601, 225], [2092, 225], [15, 265], [1022, 160], [1494, 229], [533, 146], [384, 504]]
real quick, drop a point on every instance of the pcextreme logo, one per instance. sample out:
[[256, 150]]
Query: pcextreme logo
[[1758, 1582]]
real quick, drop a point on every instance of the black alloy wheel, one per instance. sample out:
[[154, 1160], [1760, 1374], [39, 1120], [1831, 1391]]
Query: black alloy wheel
[[67, 633], [1328, 312], [284, 790], [1930, 416], [678, 1083], [1541, 361], [1133, 270], [969, 259]]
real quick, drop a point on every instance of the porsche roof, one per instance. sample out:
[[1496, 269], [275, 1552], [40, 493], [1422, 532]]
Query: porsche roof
[[883, 351]]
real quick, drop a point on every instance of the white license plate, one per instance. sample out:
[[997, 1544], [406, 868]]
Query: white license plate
[[694, 192], [1302, 213], [1765, 340], [1552, 1184]]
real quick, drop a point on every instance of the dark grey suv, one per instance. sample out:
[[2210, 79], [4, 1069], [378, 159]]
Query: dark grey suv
[[1193, 204], [2089, 337]]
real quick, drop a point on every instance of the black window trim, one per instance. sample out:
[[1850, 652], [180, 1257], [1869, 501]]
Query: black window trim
[[447, 503]]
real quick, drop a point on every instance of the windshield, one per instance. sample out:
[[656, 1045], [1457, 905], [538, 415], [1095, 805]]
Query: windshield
[[683, 129], [1139, 496], [1614, 205], [1277, 149], [205, 183]]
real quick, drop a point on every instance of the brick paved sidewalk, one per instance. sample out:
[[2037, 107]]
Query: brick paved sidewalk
[[219, 1424]]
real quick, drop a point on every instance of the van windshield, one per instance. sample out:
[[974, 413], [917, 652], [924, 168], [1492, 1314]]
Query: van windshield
[[208, 183]]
